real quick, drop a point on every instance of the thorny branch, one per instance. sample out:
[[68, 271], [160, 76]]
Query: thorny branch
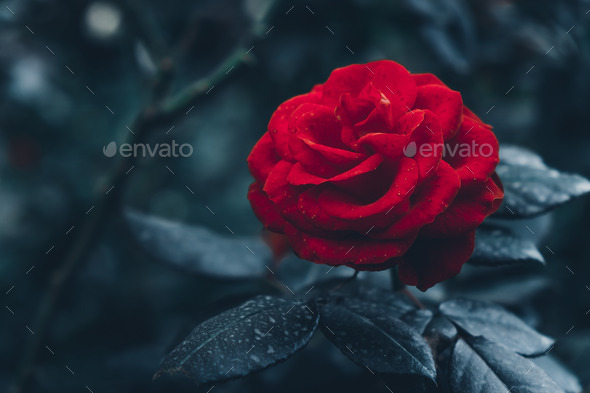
[[159, 110]]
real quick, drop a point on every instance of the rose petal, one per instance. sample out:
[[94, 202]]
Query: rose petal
[[471, 206], [279, 121], [447, 104], [334, 155], [389, 145], [429, 200], [380, 118], [396, 83], [393, 80], [311, 210], [468, 113], [354, 250], [299, 176], [343, 206], [426, 79], [473, 152], [316, 123], [431, 261], [313, 160], [264, 209], [262, 158], [285, 196], [315, 142], [425, 137]]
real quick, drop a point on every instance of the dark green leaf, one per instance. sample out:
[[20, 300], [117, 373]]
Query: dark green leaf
[[530, 187], [480, 366], [441, 327], [300, 275], [418, 319], [559, 373], [199, 250], [374, 339], [496, 324], [372, 298], [251, 337], [496, 245], [520, 156]]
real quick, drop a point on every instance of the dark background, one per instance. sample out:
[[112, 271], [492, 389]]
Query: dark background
[[121, 311]]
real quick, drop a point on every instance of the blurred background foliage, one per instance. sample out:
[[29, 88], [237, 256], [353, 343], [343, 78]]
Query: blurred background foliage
[[122, 311]]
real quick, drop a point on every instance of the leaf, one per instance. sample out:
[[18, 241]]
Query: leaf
[[251, 337], [374, 339], [480, 366], [507, 285], [520, 156], [441, 328], [299, 274], [530, 187], [199, 250], [373, 299], [496, 324], [496, 246], [418, 319], [559, 373]]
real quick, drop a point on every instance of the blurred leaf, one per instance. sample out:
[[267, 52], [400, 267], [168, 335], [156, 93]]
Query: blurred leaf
[[251, 337], [496, 245], [198, 250], [520, 156], [370, 298], [480, 366], [373, 338], [299, 274], [441, 328], [507, 285], [530, 187], [496, 324], [559, 373], [418, 319]]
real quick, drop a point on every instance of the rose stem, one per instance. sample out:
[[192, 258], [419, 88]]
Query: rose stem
[[399, 286]]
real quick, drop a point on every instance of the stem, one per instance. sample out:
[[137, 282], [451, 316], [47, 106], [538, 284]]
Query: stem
[[346, 281], [396, 284], [413, 298], [399, 286]]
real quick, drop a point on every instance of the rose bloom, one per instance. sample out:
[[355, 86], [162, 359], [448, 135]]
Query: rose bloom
[[353, 173]]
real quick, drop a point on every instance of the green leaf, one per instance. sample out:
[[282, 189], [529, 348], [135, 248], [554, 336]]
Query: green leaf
[[199, 250], [248, 338], [497, 246], [496, 324], [374, 339], [530, 187], [481, 366]]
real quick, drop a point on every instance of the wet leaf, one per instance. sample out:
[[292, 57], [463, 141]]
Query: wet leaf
[[199, 250], [530, 187], [370, 298], [481, 366], [495, 324], [559, 373], [374, 339], [497, 245], [248, 338], [418, 319]]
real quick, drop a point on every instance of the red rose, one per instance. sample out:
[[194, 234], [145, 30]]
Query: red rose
[[377, 167]]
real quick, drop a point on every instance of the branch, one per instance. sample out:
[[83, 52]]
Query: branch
[[189, 96], [157, 111]]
